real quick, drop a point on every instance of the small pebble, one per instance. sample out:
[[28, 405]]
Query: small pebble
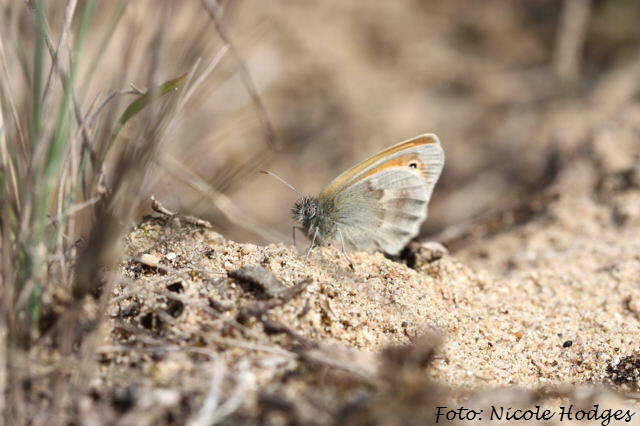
[[258, 280], [150, 260], [633, 304]]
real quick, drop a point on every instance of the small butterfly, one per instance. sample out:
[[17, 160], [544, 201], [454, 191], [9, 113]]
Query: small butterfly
[[379, 204]]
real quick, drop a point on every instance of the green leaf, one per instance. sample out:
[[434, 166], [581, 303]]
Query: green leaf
[[139, 104]]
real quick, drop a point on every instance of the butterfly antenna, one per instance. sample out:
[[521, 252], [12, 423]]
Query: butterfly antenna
[[266, 172]]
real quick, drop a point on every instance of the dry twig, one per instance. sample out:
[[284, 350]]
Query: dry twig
[[158, 207]]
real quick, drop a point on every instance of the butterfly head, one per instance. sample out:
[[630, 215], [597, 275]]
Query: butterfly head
[[305, 210]]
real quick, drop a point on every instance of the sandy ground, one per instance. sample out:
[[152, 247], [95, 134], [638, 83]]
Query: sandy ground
[[545, 311]]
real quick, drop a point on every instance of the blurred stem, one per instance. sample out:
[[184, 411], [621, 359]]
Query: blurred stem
[[215, 12], [106, 38], [46, 172], [38, 71], [570, 39]]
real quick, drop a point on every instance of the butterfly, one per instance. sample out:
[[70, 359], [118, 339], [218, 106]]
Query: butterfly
[[379, 204]]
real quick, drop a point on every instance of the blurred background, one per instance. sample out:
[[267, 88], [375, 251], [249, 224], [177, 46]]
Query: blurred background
[[511, 88]]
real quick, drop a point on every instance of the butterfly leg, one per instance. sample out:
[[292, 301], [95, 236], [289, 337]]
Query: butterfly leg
[[344, 251], [313, 240]]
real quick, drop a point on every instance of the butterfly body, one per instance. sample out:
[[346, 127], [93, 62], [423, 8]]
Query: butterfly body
[[379, 204], [314, 217]]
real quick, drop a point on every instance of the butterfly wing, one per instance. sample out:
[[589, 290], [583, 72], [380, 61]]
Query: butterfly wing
[[425, 149], [381, 203]]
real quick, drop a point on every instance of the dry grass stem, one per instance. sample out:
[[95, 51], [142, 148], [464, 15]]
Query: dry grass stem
[[570, 38]]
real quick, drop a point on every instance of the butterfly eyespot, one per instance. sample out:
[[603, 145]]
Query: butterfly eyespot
[[413, 165]]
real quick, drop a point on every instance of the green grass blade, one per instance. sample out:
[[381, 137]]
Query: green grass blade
[[142, 101]]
